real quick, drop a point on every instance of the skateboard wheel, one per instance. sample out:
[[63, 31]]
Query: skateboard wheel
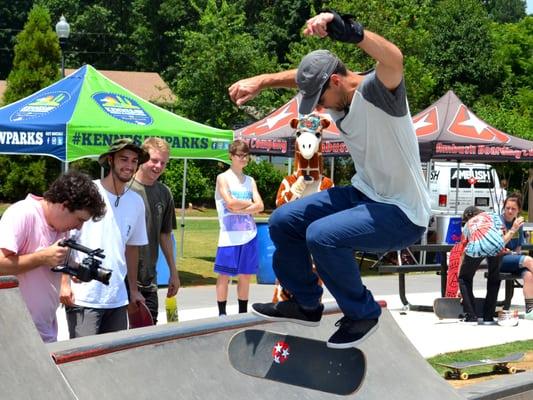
[[512, 370], [463, 376], [448, 375]]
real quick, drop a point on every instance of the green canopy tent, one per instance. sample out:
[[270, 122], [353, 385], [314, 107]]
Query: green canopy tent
[[82, 114]]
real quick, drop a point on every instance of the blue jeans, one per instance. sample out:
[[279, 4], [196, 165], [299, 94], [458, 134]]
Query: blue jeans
[[329, 226]]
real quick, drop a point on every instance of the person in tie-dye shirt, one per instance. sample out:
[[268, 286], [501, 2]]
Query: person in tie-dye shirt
[[484, 235]]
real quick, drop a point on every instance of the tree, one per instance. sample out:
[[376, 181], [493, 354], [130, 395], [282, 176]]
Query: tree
[[13, 15], [267, 179], [37, 56], [510, 106], [198, 190], [400, 22], [217, 53], [506, 10], [460, 51]]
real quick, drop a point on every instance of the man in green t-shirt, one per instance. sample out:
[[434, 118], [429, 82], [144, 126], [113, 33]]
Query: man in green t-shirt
[[160, 221]]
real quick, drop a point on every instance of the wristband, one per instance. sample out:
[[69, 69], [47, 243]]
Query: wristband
[[344, 29]]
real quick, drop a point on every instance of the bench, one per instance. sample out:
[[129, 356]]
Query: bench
[[401, 270], [511, 282]]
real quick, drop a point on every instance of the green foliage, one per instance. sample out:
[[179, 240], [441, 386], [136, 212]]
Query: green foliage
[[398, 21], [37, 57], [217, 53], [267, 179], [13, 15], [460, 51], [509, 107], [87, 166], [506, 10], [21, 175], [199, 189]]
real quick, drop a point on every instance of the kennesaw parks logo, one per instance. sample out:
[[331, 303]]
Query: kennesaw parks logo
[[40, 106], [123, 108]]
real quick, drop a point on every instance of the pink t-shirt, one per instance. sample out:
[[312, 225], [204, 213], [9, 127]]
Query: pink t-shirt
[[24, 230]]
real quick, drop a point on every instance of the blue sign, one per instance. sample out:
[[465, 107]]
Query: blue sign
[[123, 108], [40, 106]]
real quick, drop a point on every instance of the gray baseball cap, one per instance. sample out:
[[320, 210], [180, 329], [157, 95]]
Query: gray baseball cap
[[313, 72]]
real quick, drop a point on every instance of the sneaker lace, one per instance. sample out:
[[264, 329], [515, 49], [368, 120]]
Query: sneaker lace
[[342, 322]]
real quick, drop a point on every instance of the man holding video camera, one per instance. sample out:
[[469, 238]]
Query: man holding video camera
[[29, 234], [94, 307]]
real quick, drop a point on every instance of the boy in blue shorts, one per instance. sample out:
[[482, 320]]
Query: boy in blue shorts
[[237, 199]]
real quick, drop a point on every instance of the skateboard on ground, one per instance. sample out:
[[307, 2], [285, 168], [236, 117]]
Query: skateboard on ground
[[451, 307], [297, 361], [141, 317], [500, 365]]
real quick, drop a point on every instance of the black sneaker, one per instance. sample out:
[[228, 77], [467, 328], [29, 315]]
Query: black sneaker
[[351, 332], [288, 311], [469, 319]]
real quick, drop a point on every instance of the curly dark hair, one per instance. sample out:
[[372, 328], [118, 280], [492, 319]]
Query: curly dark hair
[[77, 191]]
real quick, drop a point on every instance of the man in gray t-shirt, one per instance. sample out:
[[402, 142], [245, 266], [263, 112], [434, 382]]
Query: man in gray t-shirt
[[160, 221], [386, 207]]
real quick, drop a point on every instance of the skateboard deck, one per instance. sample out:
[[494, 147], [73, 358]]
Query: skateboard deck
[[297, 361], [454, 264], [140, 318], [451, 307], [499, 365]]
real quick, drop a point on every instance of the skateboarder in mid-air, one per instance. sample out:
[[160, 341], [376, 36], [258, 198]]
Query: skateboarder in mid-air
[[386, 207]]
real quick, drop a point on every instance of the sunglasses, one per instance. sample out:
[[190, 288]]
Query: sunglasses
[[242, 156]]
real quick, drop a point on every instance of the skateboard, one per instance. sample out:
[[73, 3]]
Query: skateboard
[[297, 361], [454, 264], [451, 307], [140, 318], [500, 365]]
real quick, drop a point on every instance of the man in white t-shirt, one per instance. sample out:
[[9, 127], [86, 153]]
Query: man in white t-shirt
[[92, 307], [30, 230], [386, 207]]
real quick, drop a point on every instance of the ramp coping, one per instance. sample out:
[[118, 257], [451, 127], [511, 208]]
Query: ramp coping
[[8, 282], [97, 345]]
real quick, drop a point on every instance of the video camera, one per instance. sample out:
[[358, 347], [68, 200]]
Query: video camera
[[89, 268]]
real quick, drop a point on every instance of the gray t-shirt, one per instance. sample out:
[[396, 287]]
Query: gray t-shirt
[[160, 218], [379, 133]]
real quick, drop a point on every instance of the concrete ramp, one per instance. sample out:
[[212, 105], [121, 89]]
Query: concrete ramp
[[189, 361], [26, 367]]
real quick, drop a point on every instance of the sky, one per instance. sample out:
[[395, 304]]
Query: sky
[[529, 8]]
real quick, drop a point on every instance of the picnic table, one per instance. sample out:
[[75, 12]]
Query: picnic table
[[441, 268]]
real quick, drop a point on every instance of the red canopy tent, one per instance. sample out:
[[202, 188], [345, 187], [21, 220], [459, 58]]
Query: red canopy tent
[[272, 135], [446, 130]]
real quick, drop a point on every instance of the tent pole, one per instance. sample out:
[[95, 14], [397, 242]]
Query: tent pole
[[457, 186], [289, 166], [331, 168], [65, 167], [182, 225]]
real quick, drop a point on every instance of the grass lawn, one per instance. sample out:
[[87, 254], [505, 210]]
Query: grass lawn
[[3, 207], [200, 245], [479, 354]]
